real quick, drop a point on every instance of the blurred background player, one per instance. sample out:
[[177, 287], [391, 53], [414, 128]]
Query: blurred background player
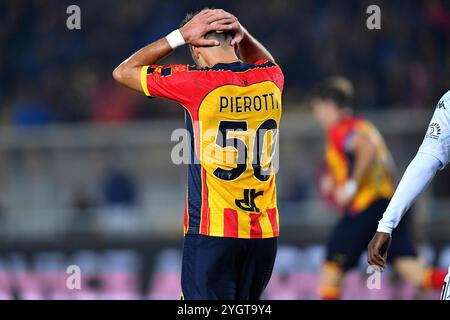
[[359, 178], [231, 218], [433, 155]]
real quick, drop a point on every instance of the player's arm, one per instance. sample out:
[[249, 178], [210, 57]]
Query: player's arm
[[416, 178], [250, 49], [128, 73], [433, 155], [365, 151]]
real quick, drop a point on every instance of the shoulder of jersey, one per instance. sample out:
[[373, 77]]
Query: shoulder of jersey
[[234, 67], [444, 102]]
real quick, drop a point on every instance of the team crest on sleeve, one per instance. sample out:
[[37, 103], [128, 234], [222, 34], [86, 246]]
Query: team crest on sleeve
[[179, 68], [434, 131]]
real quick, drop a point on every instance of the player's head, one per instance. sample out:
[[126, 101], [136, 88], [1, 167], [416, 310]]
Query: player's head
[[332, 100], [206, 56]]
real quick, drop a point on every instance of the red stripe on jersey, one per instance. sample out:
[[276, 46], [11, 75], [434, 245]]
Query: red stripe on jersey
[[204, 228], [255, 226], [272, 213], [339, 133], [230, 223], [186, 217]]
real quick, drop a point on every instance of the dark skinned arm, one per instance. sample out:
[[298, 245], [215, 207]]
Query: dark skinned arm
[[378, 248]]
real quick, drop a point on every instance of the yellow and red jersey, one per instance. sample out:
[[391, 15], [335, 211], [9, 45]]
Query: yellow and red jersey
[[339, 156], [232, 113]]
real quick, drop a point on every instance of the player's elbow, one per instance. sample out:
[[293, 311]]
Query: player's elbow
[[123, 73], [128, 76], [119, 74]]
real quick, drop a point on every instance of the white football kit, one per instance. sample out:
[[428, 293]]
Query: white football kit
[[433, 155]]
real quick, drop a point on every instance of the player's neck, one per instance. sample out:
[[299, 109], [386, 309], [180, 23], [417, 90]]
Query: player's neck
[[223, 57]]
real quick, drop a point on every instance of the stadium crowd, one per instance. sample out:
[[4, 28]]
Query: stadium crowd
[[51, 74]]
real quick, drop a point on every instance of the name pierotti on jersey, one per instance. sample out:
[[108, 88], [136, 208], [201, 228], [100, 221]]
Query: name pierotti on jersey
[[232, 115], [263, 102]]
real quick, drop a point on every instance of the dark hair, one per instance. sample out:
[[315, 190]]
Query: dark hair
[[222, 37], [190, 15], [338, 89]]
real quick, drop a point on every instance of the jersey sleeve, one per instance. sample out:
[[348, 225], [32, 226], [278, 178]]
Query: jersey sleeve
[[417, 176], [172, 82], [349, 138], [437, 138], [275, 72], [352, 132]]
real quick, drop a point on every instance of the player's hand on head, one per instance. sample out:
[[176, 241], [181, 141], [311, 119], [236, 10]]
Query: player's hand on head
[[230, 23], [377, 249], [206, 21], [238, 32]]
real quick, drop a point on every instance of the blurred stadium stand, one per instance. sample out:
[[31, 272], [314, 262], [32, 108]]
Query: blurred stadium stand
[[404, 64]]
